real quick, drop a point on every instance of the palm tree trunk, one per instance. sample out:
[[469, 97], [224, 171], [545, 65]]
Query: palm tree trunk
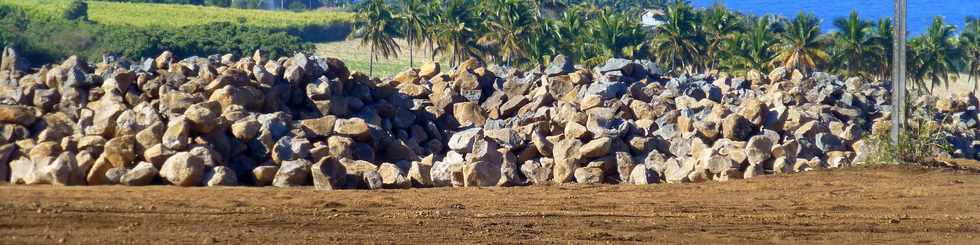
[[432, 53], [371, 63], [411, 55]]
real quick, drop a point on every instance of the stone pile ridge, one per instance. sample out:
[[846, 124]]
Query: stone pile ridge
[[309, 121]]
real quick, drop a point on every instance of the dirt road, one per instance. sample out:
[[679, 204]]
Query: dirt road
[[883, 204]]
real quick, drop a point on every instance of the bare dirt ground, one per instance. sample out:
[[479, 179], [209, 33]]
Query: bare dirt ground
[[886, 204]]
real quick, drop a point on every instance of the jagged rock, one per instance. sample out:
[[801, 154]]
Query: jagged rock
[[483, 164], [567, 156], [462, 141], [538, 172], [759, 149], [354, 127], [420, 172], [393, 177], [221, 176], [177, 135], [322, 127], [641, 175], [596, 148], [589, 175], [736, 127], [203, 117], [119, 151], [114, 175], [292, 173], [142, 174], [559, 65], [469, 114], [429, 70], [443, 171], [328, 174]]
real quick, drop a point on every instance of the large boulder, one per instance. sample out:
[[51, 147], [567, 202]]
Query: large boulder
[[264, 175], [142, 174], [641, 175], [354, 127], [22, 115], [393, 177], [183, 169], [120, 152], [567, 157], [203, 117], [596, 148], [759, 149], [328, 174], [293, 173]]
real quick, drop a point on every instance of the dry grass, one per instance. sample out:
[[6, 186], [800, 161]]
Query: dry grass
[[357, 57], [959, 85]]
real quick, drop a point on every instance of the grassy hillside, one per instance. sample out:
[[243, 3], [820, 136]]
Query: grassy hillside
[[311, 26]]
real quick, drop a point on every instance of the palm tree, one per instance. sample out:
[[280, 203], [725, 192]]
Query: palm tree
[[457, 31], [801, 46], [916, 63], [571, 29], [720, 26], [511, 31], [881, 51], [412, 17], [676, 44], [376, 25], [939, 52], [852, 46], [753, 49], [970, 43], [616, 35]]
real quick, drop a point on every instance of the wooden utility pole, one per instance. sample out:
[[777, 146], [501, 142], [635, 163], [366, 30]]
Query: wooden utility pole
[[898, 70]]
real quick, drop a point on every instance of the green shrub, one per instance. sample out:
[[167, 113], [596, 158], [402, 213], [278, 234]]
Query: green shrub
[[77, 10], [919, 142]]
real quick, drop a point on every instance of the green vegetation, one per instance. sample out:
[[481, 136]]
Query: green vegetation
[[525, 33], [310, 26], [252, 4], [48, 40], [76, 10], [374, 22], [919, 142]]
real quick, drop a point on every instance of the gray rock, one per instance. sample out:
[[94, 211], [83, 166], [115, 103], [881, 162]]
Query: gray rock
[[264, 175], [641, 175], [393, 177], [221, 176], [183, 169], [759, 149], [462, 141], [589, 175], [373, 180], [114, 175], [328, 174], [292, 173], [142, 174], [442, 171], [559, 65]]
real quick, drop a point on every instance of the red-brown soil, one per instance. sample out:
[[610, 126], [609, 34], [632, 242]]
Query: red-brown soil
[[888, 204]]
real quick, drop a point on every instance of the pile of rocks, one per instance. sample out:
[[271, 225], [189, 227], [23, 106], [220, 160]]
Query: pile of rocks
[[307, 120]]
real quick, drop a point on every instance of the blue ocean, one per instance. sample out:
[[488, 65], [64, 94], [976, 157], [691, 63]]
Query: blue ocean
[[920, 12]]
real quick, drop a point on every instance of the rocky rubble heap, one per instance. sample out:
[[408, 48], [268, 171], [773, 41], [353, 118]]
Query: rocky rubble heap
[[307, 120]]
